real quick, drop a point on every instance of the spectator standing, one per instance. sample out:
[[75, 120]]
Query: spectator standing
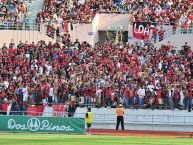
[[161, 34], [89, 119], [120, 117], [154, 33], [4, 106], [171, 97], [141, 94]]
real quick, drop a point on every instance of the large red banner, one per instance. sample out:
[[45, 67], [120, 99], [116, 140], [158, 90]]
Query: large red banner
[[141, 30]]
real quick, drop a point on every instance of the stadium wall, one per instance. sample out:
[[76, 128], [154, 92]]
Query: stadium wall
[[82, 32], [177, 40], [159, 120], [23, 35], [113, 19]]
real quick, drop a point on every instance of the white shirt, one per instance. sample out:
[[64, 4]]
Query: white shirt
[[171, 93], [118, 65], [49, 68], [51, 92], [141, 92], [41, 70], [98, 92], [6, 84]]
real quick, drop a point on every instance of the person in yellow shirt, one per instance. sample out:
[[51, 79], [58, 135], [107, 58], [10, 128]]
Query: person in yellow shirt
[[120, 116], [89, 119]]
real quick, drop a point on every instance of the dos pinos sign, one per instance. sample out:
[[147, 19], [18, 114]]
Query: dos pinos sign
[[42, 124]]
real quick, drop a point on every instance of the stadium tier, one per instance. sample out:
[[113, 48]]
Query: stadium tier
[[13, 11], [74, 54]]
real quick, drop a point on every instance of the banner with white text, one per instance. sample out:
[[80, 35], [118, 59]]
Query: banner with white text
[[141, 30], [42, 124]]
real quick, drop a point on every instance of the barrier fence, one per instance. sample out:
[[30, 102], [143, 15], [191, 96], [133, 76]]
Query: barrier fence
[[151, 120], [33, 32], [75, 123], [42, 124], [111, 118]]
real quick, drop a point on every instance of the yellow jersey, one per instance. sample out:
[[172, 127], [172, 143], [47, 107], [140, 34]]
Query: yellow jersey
[[89, 117]]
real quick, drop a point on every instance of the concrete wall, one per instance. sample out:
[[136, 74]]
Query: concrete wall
[[86, 32], [80, 31], [161, 120], [178, 40], [106, 20], [95, 27], [22, 35]]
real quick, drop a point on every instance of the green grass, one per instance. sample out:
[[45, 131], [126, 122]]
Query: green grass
[[60, 139]]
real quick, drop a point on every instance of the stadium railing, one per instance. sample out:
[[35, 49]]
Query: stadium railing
[[32, 27], [111, 118]]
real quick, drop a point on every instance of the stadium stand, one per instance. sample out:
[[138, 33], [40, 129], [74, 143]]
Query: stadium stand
[[13, 12], [140, 75], [137, 76], [58, 16]]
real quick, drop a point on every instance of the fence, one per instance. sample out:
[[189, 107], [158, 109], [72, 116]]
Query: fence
[[161, 120], [111, 118], [33, 32], [142, 119], [170, 32], [175, 121]]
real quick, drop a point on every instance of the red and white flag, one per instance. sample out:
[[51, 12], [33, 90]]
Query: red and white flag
[[67, 27]]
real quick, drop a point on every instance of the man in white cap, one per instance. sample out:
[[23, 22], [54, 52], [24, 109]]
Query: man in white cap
[[120, 116]]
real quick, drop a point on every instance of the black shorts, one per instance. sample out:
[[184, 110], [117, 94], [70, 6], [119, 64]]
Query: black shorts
[[88, 125]]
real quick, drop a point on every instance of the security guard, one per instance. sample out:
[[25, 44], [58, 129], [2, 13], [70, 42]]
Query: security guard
[[120, 116], [89, 119]]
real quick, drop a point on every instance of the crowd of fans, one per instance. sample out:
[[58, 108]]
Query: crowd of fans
[[169, 12], [137, 75], [12, 11], [165, 11], [83, 11], [105, 75], [75, 11]]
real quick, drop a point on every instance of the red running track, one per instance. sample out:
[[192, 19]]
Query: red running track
[[171, 134]]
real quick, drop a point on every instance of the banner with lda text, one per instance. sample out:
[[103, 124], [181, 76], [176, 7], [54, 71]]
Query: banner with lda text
[[42, 124]]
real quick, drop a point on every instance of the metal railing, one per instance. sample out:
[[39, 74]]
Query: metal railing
[[166, 120], [135, 119], [19, 26], [25, 31], [170, 32], [32, 27], [111, 118], [36, 114]]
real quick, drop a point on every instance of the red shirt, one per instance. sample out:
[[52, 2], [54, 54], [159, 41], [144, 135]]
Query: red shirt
[[11, 52], [93, 92], [126, 92], [4, 107], [159, 94], [86, 92]]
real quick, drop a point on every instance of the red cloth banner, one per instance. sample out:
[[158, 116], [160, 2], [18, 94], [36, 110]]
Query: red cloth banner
[[59, 110], [35, 110], [141, 30]]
